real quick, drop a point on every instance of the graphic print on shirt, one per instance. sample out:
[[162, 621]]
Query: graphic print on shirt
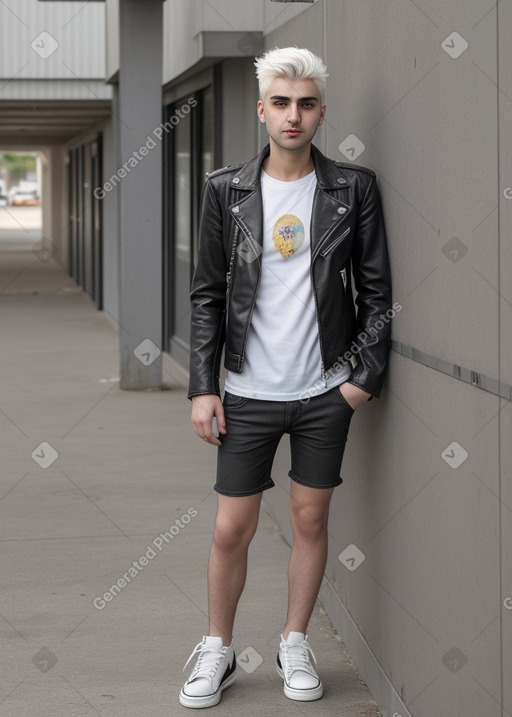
[[288, 235]]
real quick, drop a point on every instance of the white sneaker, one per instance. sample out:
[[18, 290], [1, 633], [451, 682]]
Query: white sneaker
[[295, 667], [215, 669]]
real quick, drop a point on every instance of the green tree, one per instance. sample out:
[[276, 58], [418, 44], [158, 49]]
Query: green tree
[[13, 161]]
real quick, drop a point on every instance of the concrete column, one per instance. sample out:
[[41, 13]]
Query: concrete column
[[45, 185], [55, 220], [140, 194]]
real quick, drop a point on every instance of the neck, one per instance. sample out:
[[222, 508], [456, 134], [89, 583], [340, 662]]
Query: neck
[[288, 165]]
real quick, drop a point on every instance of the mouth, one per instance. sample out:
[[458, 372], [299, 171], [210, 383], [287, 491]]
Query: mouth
[[293, 132]]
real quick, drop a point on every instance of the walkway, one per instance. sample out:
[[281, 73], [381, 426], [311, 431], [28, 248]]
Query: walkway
[[106, 512]]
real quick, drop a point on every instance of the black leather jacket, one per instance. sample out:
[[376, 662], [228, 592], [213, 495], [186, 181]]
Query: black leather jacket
[[347, 235]]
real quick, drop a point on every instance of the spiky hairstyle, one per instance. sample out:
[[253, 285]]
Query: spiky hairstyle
[[294, 63]]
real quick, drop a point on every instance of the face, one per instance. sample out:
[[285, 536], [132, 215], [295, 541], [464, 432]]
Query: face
[[292, 112]]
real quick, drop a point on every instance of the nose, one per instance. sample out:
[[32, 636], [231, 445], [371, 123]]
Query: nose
[[293, 113]]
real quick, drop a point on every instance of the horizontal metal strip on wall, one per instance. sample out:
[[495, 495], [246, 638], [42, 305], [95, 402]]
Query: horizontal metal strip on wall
[[479, 380]]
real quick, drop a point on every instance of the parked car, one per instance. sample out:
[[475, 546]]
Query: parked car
[[4, 200], [21, 198]]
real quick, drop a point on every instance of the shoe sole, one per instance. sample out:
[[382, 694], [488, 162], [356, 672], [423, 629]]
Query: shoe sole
[[209, 700], [300, 695]]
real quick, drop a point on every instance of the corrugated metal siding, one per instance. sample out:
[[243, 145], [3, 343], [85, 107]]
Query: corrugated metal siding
[[72, 45], [55, 90]]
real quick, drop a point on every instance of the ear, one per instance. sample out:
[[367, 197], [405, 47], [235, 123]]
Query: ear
[[261, 112], [322, 114]]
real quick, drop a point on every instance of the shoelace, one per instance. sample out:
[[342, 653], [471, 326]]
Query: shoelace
[[297, 657], [207, 663]]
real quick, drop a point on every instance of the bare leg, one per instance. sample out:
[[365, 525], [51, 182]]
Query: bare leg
[[235, 524], [309, 513]]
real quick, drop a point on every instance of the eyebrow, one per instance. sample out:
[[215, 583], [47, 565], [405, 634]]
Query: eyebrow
[[301, 99]]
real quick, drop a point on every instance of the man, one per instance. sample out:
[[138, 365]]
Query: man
[[280, 237]]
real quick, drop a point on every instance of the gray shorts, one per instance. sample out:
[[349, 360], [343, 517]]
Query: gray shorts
[[318, 430]]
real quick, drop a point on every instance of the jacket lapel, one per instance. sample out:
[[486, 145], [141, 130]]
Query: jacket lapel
[[247, 211], [328, 212], [327, 217]]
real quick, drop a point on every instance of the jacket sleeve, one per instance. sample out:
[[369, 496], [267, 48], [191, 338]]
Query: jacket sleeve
[[372, 279], [208, 298]]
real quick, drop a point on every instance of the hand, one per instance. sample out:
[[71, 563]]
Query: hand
[[204, 408], [353, 395]]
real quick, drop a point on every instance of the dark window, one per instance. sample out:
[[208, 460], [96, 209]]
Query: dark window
[[188, 155], [85, 218]]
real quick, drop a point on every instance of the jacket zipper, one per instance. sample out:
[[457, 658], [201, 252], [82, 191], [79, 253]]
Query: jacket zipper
[[335, 243], [228, 290], [230, 271], [322, 371], [246, 335]]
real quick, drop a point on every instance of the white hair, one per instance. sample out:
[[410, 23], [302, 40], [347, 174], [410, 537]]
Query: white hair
[[292, 62]]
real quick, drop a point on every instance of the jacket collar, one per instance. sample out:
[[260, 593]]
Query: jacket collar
[[248, 177]]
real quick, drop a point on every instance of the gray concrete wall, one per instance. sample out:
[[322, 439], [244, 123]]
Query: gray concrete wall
[[504, 23], [240, 124], [112, 37], [187, 21], [424, 613]]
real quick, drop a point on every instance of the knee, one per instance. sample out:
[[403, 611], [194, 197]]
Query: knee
[[308, 522], [231, 535]]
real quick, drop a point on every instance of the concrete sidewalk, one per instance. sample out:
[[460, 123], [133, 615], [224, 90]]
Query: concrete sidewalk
[[102, 487]]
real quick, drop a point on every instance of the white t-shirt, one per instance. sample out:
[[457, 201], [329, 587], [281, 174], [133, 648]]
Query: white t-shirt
[[282, 357]]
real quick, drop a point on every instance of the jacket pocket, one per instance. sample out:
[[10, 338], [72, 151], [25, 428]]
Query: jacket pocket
[[335, 243]]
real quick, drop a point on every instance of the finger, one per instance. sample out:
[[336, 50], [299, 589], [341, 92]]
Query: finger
[[204, 430], [221, 420], [212, 440], [200, 429]]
